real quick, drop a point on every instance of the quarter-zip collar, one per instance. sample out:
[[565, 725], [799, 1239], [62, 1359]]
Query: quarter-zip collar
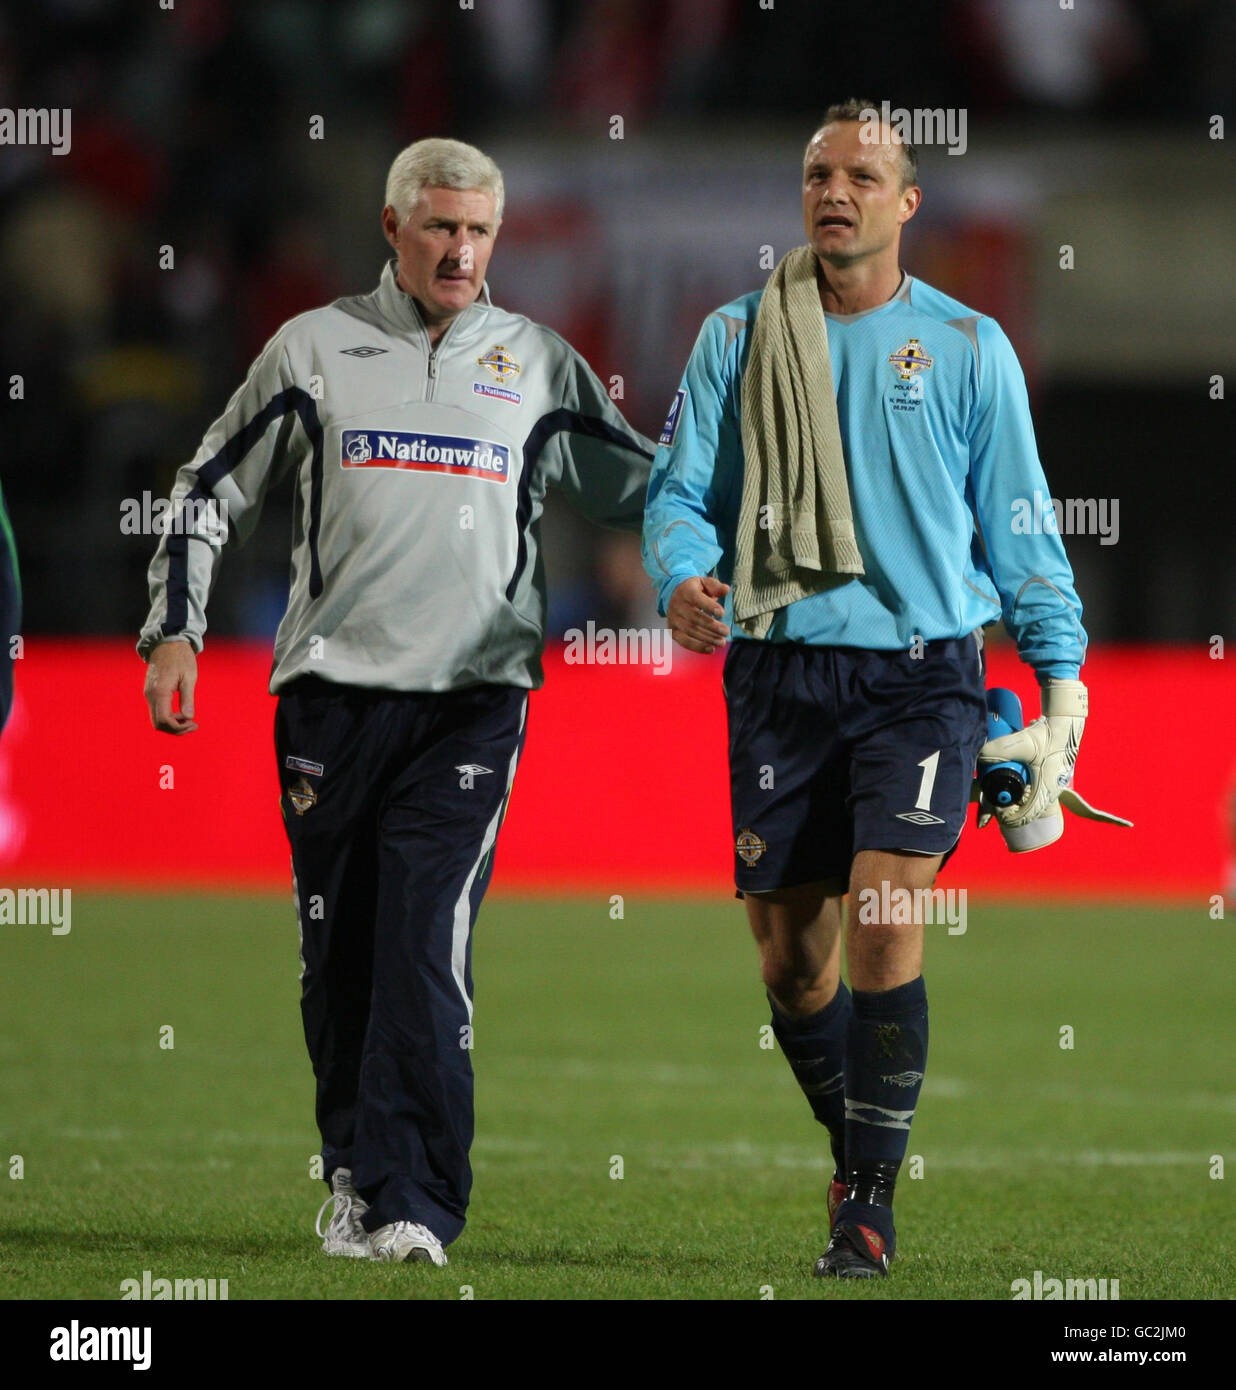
[[401, 309]]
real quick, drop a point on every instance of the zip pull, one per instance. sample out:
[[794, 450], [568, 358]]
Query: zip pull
[[433, 364]]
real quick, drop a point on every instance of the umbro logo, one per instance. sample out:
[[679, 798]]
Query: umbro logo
[[362, 351], [472, 769], [874, 1241], [903, 1078], [920, 818]]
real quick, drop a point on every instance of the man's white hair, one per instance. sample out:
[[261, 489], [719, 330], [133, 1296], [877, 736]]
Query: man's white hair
[[441, 164]]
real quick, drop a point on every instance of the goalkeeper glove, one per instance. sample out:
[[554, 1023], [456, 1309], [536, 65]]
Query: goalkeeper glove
[[1048, 747]]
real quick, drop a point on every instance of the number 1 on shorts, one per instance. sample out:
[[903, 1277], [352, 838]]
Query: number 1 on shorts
[[929, 766]]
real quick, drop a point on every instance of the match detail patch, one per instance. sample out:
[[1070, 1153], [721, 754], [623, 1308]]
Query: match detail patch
[[501, 393], [670, 429], [304, 765], [426, 453]]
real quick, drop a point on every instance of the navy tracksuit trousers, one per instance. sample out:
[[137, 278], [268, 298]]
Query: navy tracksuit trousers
[[392, 803]]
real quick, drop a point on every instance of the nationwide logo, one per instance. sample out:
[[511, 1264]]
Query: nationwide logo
[[426, 453], [500, 362], [910, 358], [501, 393]]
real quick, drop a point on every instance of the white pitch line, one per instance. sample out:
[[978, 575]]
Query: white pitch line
[[670, 1073], [114, 1135], [935, 1086], [735, 1153], [741, 1153]]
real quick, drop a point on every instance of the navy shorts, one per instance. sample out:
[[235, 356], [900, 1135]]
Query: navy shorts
[[834, 750]]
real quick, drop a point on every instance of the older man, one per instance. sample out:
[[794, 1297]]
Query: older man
[[835, 492], [423, 426]]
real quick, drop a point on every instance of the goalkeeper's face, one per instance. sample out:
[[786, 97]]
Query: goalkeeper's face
[[443, 247], [854, 204]]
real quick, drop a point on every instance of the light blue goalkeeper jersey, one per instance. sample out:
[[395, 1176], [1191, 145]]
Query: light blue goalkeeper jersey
[[943, 471]]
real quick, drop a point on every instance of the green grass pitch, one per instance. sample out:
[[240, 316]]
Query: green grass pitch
[[639, 1040]]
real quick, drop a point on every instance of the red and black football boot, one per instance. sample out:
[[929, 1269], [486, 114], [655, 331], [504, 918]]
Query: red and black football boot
[[836, 1195], [855, 1252]]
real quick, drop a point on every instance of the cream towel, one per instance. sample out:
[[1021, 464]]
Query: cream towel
[[795, 527]]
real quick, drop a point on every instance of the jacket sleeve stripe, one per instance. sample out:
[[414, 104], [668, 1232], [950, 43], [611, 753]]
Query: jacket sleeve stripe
[[215, 469], [540, 435]]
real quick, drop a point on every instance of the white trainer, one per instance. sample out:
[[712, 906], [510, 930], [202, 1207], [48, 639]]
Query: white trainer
[[405, 1240], [344, 1234]]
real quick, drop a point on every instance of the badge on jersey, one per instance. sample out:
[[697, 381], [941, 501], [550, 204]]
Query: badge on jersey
[[670, 429], [749, 847], [425, 453], [303, 797], [501, 363], [910, 358]]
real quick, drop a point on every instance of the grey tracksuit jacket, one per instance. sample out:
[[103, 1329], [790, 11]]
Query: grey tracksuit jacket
[[420, 478]]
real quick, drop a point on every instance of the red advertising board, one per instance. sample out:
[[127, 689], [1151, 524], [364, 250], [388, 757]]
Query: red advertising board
[[622, 788]]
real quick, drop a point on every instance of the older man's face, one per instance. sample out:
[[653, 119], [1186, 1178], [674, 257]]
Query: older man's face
[[443, 247], [853, 201]]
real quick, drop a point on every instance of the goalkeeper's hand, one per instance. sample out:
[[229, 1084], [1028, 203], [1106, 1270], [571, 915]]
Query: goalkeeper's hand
[[1048, 747]]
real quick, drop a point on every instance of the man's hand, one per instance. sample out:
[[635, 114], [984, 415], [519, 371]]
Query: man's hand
[[172, 667], [693, 614], [1048, 747]]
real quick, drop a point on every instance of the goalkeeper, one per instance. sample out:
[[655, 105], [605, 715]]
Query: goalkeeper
[[837, 492]]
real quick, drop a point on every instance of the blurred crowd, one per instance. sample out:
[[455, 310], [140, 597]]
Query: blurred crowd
[[190, 131]]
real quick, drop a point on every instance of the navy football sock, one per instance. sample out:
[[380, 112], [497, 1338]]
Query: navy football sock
[[815, 1049], [886, 1055], [874, 1215]]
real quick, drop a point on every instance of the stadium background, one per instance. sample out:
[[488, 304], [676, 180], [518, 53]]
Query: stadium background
[[191, 128]]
